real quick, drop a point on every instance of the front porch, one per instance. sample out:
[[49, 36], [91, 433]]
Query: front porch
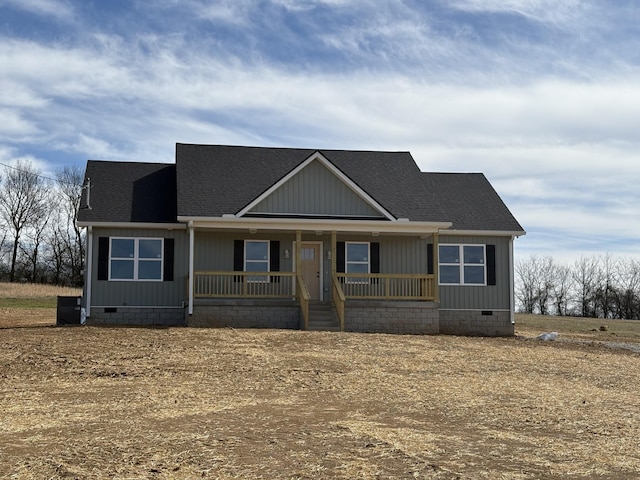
[[300, 278], [281, 296]]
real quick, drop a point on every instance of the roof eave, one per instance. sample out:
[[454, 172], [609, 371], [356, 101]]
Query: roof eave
[[486, 233], [143, 225], [311, 224]]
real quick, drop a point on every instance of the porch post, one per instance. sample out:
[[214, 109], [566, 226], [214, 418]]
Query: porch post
[[89, 270], [191, 246], [334, 244], [298, 241], [512, 299], [436, 268]]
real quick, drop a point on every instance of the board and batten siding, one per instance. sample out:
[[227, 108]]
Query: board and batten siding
[[106, 293], [489, 297], [315, 191], [214, 251], [397, 254]]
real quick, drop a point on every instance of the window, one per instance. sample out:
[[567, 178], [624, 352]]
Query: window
[[462, 264], [357, 260], [135, 259], [256, 259]]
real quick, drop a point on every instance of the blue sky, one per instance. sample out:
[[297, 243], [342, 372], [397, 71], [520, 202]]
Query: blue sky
[[541, 96]]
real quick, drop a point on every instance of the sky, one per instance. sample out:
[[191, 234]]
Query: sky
[[541, 96]]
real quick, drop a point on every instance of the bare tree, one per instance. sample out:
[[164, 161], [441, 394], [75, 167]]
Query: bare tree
[[562, 287], [69, 183], [605, 287], [585, 276], [545, 269], [22, 201], [526, 279], [35, 239], [628, 290]]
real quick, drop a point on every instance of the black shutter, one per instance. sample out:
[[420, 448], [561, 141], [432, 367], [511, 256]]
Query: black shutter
[[238, 259], [374, 252], [169, 247], [430, 256], [491, 264], [103, 258], [238, 255], [274, 259], [340, 257]]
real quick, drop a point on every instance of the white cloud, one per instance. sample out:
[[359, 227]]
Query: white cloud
[[14, 126], [59, 9], [9, 159], [561, 152], [540, 10]]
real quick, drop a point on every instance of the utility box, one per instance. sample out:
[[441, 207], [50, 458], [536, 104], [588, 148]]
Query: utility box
[[69, 311]]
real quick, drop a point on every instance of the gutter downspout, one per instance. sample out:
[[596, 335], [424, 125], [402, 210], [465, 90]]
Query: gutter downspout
[[191, 246], [512, 299], [89, 271]]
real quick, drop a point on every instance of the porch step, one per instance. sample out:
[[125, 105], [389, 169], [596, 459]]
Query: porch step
[[322, 316]]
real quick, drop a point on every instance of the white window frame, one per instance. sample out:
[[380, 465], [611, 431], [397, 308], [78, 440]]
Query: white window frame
[[255, 279], [461, 265], [347, 262], [136, 259]]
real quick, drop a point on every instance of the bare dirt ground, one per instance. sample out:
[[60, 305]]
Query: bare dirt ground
[[89, 402]]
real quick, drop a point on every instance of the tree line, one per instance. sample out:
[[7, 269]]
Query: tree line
[[600, 286], [41, 243], [39, 239]]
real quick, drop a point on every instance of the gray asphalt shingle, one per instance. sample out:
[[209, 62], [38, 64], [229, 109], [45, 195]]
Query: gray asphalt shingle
[[212, 180], [129, 192]]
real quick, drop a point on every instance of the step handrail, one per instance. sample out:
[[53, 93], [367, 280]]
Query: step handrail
[[338, 299]]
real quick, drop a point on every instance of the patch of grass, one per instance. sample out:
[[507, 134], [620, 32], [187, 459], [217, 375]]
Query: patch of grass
[[29, 302], [587, 328], [9, 291]]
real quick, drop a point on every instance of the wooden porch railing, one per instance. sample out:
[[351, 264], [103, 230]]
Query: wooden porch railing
[[303, 299], [387, 286], [338, 299], [382, 286], [219, 284]]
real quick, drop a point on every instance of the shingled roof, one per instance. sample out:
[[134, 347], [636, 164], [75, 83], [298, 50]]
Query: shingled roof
[[129, 192], [468, 201], [213, 180]]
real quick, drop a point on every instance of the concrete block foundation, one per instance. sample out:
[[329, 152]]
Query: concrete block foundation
[[246, 314], [137, 316], [416, 318], [485, 323]]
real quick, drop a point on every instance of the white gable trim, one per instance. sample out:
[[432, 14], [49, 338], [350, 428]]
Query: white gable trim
[[317, 225], [333, 169], [485, 233], [139, 225]]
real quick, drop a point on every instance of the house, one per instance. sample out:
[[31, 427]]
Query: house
[[297, 238]]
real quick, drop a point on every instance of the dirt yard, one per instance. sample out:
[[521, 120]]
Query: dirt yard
[[88, 402]]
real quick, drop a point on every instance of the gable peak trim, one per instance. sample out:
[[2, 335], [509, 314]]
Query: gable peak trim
[[317, 155]]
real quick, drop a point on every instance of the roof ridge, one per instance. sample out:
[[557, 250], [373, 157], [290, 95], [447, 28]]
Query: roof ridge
[[292, 148], [131, 162]]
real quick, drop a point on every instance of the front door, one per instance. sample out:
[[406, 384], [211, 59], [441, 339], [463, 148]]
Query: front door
[[310, 267]]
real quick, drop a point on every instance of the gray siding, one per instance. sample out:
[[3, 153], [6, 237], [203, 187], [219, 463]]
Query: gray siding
[[397, 254], [140, 293], [214, 250], [315, 191], [490, 297]]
